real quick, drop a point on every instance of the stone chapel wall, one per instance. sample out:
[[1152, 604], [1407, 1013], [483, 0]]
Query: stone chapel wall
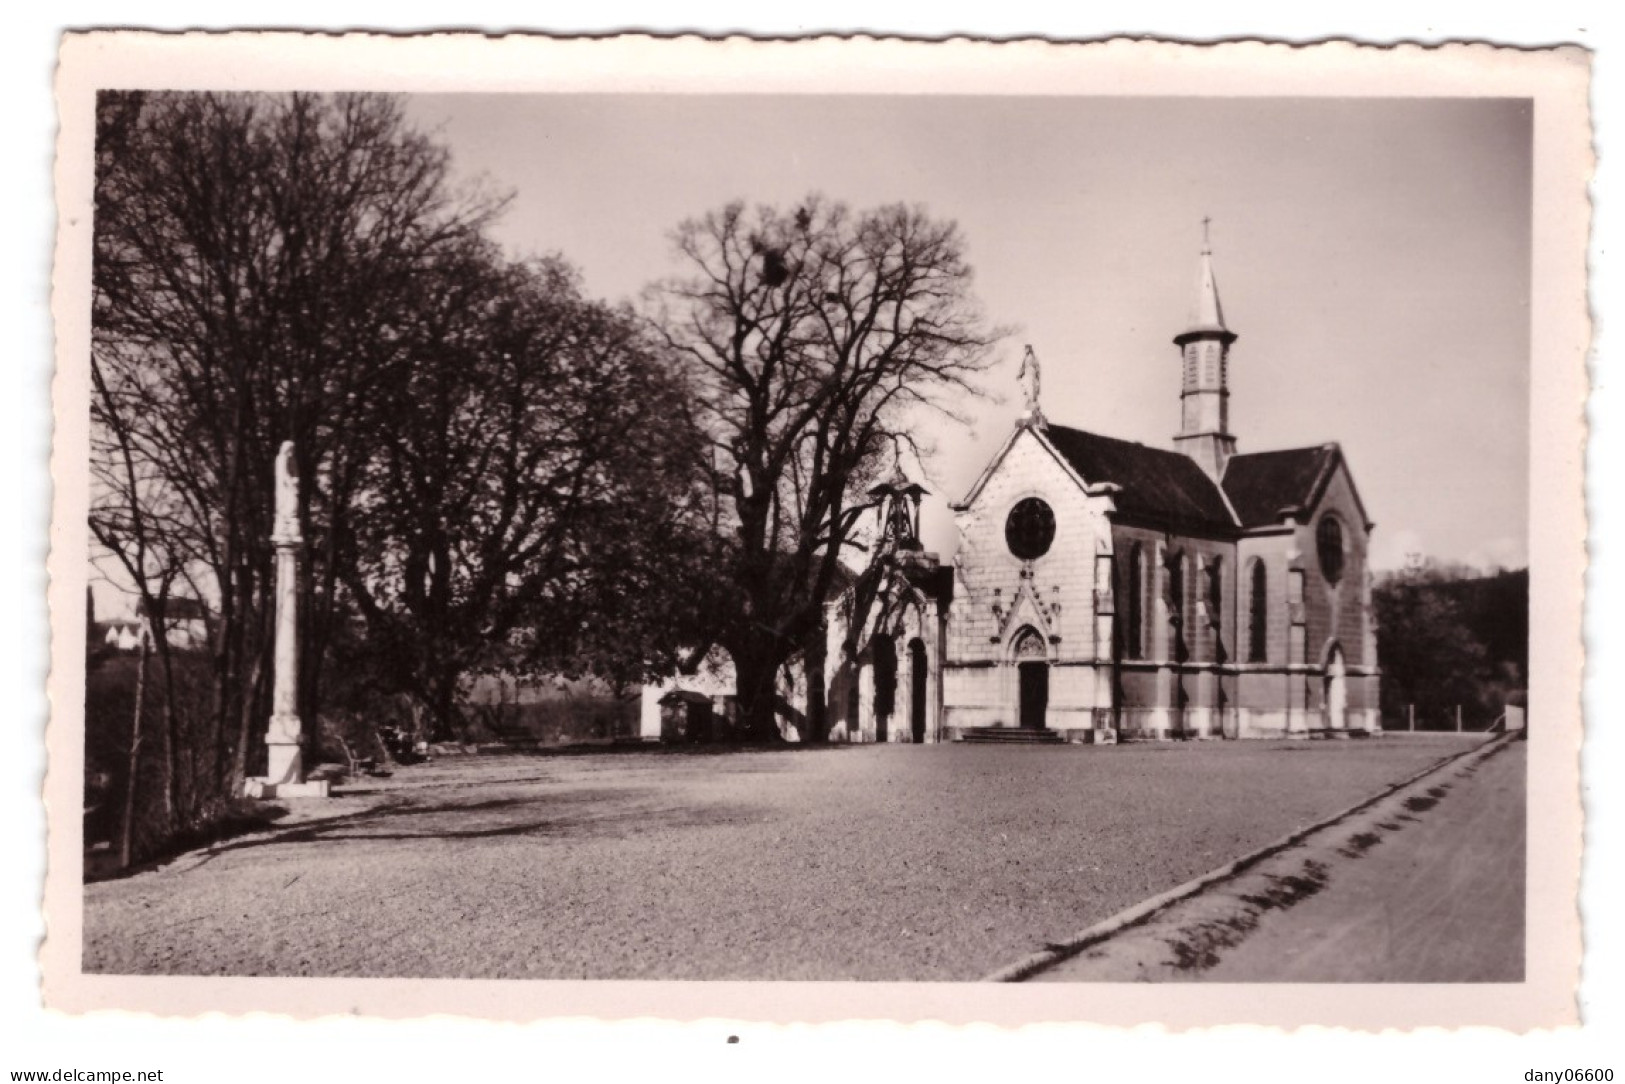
[[1160, 693], [993, 601], [1340, 611]]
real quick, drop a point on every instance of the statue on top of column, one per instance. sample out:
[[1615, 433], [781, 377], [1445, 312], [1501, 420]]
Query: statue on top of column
[[286, 527]]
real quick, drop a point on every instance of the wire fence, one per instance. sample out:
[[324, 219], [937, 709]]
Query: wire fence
[[1458, 720]]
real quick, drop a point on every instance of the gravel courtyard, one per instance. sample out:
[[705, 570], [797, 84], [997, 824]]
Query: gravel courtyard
[[855, 862]]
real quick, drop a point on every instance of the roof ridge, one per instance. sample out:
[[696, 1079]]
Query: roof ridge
[[1116, 440], [1323, 446], [1161, 483]]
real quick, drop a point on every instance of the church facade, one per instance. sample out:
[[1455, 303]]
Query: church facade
[[1109, 589], [1103, 589]]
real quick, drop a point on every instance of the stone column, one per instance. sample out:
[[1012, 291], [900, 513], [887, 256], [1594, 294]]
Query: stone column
[[286, 764], [285, 770]]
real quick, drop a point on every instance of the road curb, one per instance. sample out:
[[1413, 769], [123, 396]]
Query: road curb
[[1056, 952]]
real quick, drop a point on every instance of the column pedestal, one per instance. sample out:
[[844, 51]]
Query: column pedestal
[[285, 764]]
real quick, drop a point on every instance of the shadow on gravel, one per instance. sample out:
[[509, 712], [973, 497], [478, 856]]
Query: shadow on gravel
[[246, 818], [579, 814], [662, 749]]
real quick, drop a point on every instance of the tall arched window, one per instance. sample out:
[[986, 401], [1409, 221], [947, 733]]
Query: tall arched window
[[1258, 615], [1329, 548], [1176, 589], [1134, 592], [1177, 602]]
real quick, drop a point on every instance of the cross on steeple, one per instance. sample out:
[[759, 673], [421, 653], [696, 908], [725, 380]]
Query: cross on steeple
[[1207, 247]]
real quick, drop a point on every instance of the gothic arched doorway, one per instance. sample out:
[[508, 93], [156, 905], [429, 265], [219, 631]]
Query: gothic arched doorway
[[916, 689], [885, 668], [1032, 671], [1336, 691]]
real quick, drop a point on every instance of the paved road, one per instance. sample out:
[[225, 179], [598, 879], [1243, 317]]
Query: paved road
[[1425, 887], [889, 863], [1441, 901]]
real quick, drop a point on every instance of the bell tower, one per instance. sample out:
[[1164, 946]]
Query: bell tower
[[1204, 397]]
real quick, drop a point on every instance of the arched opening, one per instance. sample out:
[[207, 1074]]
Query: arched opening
[[1336, 691], [1329, 548], [916, 689], [884, 652], [1032, 672]]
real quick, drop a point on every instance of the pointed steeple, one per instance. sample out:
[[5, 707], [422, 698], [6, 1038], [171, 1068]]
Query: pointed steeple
[[1207, 315], [1204, 348]]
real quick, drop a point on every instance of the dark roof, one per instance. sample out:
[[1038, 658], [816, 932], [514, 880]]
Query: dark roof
[[1160, 487], [685, 696], [1262, 484]]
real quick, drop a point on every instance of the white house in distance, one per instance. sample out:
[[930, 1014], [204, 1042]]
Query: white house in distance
[[186, 627]]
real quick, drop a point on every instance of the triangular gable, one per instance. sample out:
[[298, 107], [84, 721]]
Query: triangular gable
[[1337, 463], [1262, 486], [1004, 450]]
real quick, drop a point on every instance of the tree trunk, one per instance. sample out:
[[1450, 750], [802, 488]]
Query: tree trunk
[[443, 716], [245, 726], [814, 654], [127, 828], [166, 663], [756, 673]]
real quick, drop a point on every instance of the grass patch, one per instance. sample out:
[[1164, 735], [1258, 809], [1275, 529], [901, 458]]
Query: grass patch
[[1359, 844], [1285, 891], [1199, 948]]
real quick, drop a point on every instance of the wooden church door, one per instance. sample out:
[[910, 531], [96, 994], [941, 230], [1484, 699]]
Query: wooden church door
[[1032, 670], [1034, 694]]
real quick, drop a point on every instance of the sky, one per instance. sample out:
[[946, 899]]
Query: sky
[[1372, 255]]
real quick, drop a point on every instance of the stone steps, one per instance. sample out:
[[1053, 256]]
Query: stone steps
[[1012, 735]]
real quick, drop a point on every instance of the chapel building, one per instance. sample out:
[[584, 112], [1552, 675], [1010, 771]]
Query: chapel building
[[1107, 588], [1103, 589]]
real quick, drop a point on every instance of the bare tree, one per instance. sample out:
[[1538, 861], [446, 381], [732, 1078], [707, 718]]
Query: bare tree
[[809, 335], [495, 470], [529, 487], [254, 264]]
